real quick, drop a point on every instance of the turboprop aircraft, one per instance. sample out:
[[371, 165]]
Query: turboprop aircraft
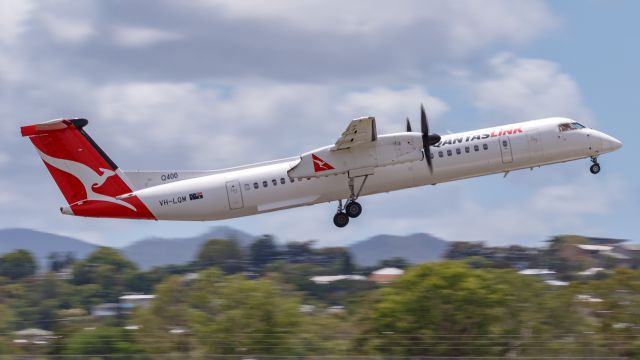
[[360, 163]]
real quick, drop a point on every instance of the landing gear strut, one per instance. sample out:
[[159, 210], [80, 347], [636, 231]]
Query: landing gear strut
[[352, 208], [595, 168]]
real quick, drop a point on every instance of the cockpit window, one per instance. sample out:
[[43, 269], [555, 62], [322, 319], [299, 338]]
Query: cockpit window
[[570, 126]]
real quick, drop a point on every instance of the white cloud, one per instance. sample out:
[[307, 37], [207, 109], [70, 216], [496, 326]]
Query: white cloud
[[4, 159], [525, 89], [467, 24], [68, 29], [391, 106], [12, 66], [13, 19], [276, 79], [229, 126], [461, 214], [136, 36]]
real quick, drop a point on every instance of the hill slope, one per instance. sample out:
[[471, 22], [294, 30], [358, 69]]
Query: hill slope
[[41, 244], [416, 248], [152, 252]]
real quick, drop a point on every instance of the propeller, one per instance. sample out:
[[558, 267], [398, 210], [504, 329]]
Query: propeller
[[427, 139], [408, 125]]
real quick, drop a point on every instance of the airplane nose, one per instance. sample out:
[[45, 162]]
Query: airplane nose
[[609, 143]]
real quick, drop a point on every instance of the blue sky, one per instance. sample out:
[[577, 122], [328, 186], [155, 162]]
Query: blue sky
[[215, 83]]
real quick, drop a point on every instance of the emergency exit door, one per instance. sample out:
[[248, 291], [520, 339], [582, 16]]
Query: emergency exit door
[[505, 150], [235, 195]]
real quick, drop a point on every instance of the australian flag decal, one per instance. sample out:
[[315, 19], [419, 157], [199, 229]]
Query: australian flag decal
[[195, 196]]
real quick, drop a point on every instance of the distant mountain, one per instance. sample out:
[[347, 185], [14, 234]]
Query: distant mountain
[[41, 244], [152, 252], [416, 248]]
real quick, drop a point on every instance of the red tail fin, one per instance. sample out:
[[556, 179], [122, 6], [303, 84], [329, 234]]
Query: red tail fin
[[90, 182]]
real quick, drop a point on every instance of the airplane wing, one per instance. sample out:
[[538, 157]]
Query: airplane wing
[[360, 131]]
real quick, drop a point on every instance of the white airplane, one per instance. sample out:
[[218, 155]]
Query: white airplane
[[360, 163]]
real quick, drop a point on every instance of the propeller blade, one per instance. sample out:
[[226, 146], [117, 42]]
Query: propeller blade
[[427, 154], [427, 139], [408, 125], [424, 123]]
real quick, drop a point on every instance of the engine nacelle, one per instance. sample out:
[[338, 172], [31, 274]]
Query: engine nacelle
[[385, 150]]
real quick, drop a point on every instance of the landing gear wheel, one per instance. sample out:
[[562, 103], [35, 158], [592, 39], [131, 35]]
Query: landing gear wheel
[[595, 168], [340, 219], [353, 209]]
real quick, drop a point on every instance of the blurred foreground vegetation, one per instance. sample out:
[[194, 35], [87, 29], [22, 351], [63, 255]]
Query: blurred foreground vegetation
[[260, 302]]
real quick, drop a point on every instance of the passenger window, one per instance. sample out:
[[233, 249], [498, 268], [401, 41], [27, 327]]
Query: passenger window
[[467, 149], [246, 187], [449, 152], [265, 183], [476, 148], [485, 146], [432, 156], [255, 185], [282, 181], [440, 154], [458, 151], [504, 143], [291, 180], [275, 182]]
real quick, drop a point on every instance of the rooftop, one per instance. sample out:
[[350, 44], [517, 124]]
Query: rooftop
[[388, 271]]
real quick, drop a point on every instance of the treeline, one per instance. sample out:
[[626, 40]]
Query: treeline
[[260, 301]]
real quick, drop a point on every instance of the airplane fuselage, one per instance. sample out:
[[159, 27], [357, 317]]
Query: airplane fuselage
[[265, 187]]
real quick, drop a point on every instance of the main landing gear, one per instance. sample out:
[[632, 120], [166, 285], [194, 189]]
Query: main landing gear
[[352, 209], [595, 168]]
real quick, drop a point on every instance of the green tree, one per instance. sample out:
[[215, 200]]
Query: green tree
[[336, 260], [249, 317], [6, 317], [299, 251], [562, 256], [168, 311], [617, 312], [36, 302], [224, 254], [59, 261], [107, 268], [396, 262], [102, 341], [225, 315], [263, 251], [450, 309], [17, 265]]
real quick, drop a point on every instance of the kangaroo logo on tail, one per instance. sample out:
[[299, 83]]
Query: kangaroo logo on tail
[[89, 178]]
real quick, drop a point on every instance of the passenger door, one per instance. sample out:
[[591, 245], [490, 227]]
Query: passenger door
[[505, 149], [235, 195]]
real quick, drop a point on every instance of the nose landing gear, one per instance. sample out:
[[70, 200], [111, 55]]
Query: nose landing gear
[[595, 168]]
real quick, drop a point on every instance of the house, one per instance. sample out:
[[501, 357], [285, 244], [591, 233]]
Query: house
[[331, 278], [386, 275], [105, 309], [591, 271], [32, 336], [129, 302], [540, 272]]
